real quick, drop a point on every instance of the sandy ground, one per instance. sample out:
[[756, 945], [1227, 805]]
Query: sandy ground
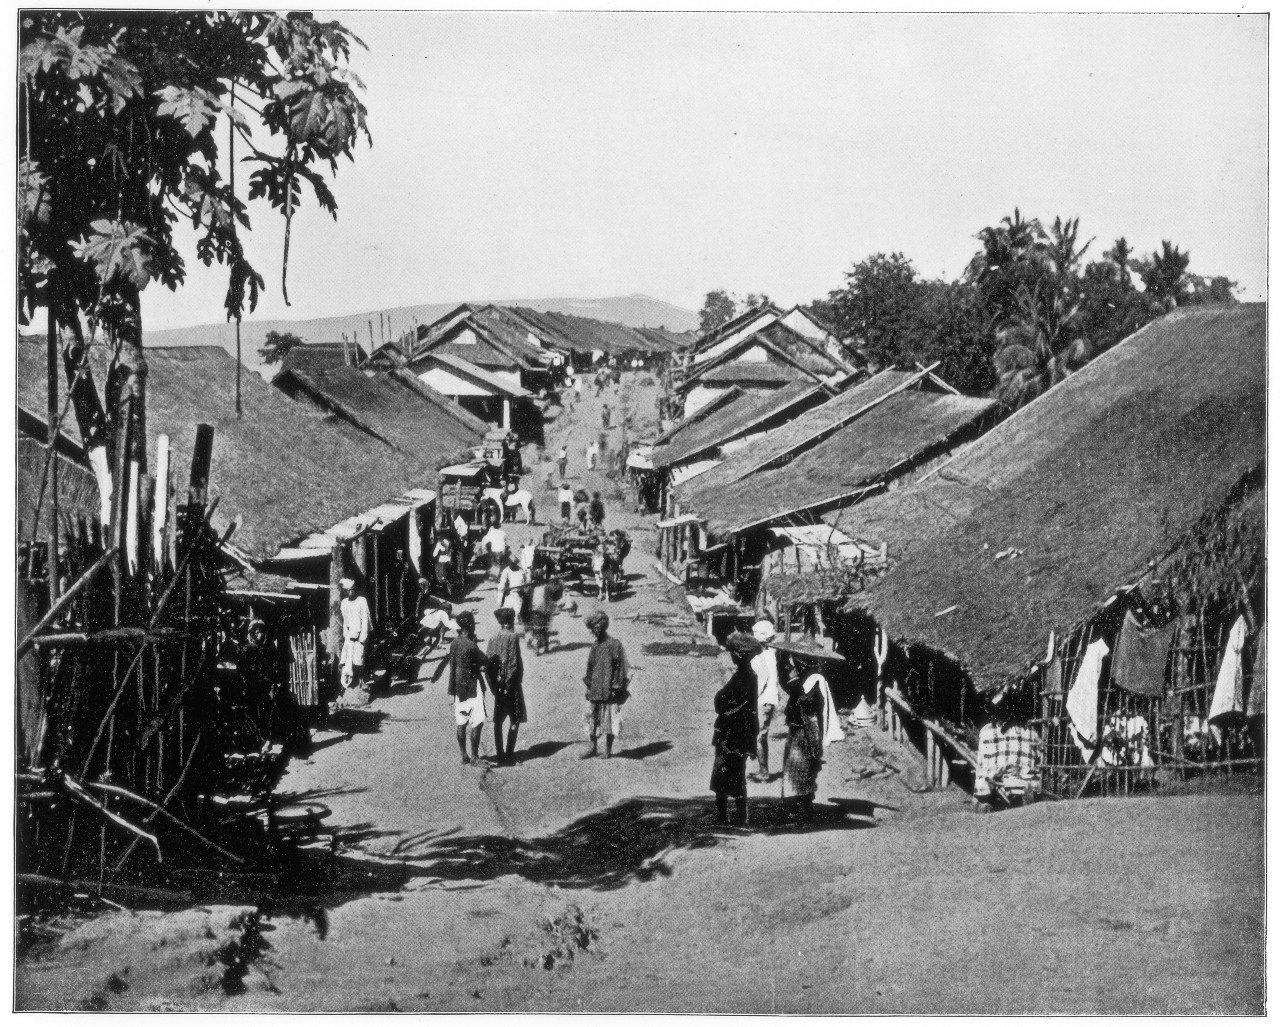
[[563, 883]]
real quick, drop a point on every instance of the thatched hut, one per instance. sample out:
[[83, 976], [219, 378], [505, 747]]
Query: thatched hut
[[873, 435], [1130, 488], [305, 495]]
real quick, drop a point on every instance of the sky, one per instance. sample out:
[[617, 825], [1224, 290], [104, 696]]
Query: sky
[[593, 154]]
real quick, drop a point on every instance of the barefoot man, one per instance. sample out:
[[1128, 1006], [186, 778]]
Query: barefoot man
[[468, 680], [606, 680]]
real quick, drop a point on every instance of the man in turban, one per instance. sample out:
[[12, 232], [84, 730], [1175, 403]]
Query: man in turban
[[768, 694], [606, 681]]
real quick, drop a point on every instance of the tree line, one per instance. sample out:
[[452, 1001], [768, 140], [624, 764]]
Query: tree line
[[1027, 311]]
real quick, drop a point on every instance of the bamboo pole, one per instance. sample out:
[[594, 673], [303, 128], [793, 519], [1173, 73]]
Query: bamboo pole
[[51, 441], [64, 601], [160, 505]]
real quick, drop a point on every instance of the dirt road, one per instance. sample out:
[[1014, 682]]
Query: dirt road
[[562, 883]]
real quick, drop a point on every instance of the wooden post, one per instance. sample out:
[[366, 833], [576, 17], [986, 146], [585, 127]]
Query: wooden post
[[334, 635], [51, 439], [201, 459], [160, 505]]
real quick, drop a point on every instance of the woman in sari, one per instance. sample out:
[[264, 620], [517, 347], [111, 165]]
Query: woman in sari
[[734, 739], [812, 725]]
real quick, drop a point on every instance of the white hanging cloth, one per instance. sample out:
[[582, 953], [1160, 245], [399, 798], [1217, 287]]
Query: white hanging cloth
[[1082, 700], [1226, 693]]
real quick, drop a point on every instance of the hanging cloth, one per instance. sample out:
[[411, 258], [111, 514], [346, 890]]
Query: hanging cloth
[[1141, 657], [1082, 700], [1257, 704], [415, 541], [1227, 696]]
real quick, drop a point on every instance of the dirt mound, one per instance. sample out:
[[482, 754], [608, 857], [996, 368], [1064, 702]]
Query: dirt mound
[[194, 958]]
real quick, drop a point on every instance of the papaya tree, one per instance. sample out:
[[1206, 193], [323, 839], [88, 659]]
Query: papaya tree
[[131, 123]]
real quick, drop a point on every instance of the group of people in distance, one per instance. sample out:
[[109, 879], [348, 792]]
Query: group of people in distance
[[745, 708], [498, 673], [577, 506]]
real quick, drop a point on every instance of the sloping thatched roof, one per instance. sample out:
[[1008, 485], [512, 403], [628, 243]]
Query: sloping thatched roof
[[891, 436], [484, 352], [446, 358], [586, 334], [471, 424], [813, 424], [283, 471], [1034, 525], [77, 491], [311, 357], [387, 409], [699, 435], [734, 324], [758, 373], [509, 334]]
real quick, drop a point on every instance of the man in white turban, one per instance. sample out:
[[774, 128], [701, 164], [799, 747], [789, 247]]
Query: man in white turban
[[356, 624]]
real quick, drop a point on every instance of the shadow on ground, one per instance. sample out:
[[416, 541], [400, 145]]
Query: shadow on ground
[[625, 843], [641, 752], [540, 750]]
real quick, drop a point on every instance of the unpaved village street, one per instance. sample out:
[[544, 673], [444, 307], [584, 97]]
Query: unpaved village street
[[560, 883]]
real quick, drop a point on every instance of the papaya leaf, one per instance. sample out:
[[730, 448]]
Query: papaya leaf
[[117, 250], [194, 109]]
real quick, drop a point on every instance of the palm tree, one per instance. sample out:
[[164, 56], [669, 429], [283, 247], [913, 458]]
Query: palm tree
[[1164, 274], [1061, 247], [1043, 344]]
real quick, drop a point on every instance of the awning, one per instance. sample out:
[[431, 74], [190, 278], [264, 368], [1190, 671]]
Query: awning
[[674, 522], [462, 470], [823, 545], [641, 461], [681, 474]]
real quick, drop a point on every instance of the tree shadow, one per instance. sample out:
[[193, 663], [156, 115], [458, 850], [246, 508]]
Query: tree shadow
[[627, 842], [641, 752], [356, 722], [401, 687], [540, 750], [570, 647]]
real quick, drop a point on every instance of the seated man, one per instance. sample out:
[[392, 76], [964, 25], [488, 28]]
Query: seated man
[[1006, 760]]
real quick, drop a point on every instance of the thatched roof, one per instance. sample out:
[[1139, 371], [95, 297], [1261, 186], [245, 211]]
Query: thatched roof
[[703, 431], [881, 444], [283, 471], [320, 356], [721, 421], [408, 419], [747, 373], [484, 352], [1045, 517], [806, 429], [77, 491], [510, 335], [471, 424], [586, 334]]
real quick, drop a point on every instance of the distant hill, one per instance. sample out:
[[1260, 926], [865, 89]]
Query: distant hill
[[636, 310]]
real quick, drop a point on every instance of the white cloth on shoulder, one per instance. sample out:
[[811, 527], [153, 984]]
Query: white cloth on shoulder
[[831, 731]]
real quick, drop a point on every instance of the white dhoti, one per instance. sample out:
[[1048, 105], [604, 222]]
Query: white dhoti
[[350, 659]]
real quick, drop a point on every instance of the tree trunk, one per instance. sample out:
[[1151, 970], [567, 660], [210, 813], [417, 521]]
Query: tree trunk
[[91, 419]]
